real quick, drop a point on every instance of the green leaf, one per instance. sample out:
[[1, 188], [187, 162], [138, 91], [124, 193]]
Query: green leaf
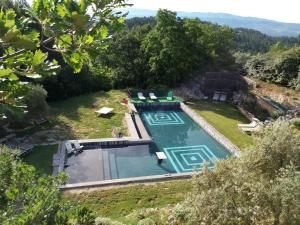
[[65, 40], [5, 72], [33, 35], [39, 57], [121, 20], [10, 18], [89, 39], [11, 35], [61, 10], [103, 32], [13, 77], [83, 5]]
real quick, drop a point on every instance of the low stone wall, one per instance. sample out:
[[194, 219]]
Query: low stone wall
[[211, 130], [126, 181]]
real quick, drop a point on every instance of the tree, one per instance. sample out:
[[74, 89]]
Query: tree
[[262, 186], [167, 48], [128, 65], [278, 66], [74, 29], [24, 197]]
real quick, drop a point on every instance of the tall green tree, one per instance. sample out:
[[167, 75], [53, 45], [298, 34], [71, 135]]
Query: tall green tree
[[167, 48], [76, 29], [124, 60]]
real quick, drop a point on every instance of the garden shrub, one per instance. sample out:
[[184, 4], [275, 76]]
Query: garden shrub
[[36, 102], [277, 114], [280, 67], [106, 221], [262, 186], [146, 221], [295, 122], [180, 212], [67, 84]]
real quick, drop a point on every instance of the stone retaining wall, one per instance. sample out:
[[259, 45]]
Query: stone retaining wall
[[126, 181]]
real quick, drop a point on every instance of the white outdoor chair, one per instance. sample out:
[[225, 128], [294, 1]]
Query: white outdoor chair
[[141, 96], [152, 96], [104, 111]]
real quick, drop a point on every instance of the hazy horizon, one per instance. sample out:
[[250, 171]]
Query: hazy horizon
[[278, 10]]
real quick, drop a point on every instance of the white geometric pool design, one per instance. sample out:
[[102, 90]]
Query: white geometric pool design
[[190, 158], [161, 118]]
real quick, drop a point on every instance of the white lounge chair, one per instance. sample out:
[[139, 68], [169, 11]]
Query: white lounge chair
[[77, 145], [251, 129], [141, 96], [216, 96], [152, 96], [252, 124], [70, 149], [223, 97], [104, 111]]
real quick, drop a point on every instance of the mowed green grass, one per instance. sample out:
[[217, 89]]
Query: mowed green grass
[[116, 203], [76, 118], [41, 158], [225, 118]]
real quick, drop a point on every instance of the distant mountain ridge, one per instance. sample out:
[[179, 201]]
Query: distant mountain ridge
[[269, 27]]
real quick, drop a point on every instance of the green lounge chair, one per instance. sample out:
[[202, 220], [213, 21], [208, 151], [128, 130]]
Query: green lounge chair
[[170, 96]]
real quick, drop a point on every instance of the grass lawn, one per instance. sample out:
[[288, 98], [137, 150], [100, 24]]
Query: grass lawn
[[41, 158], [224, 117], [116, 203], [76, 118]]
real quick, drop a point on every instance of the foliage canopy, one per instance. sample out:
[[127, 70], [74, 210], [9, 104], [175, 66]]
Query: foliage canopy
[[74, 29]]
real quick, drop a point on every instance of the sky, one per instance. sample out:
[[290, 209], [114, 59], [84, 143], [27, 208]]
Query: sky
[[279, 10]]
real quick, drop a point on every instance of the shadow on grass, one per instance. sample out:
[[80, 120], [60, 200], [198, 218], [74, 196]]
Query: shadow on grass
[[69, 107], [76, 116]]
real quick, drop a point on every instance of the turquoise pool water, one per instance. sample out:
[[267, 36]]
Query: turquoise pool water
[[186, 145]]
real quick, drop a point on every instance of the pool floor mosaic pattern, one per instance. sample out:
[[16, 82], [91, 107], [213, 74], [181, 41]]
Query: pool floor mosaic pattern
[[161, 118], [190, 158], [188, 146]]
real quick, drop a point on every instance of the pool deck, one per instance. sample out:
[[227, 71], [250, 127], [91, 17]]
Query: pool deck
[[159, 100], [138, 134]]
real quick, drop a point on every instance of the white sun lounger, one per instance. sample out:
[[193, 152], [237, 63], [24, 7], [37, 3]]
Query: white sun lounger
[[152, 96], [252, 124], [216, 96], [77, 145], [104, 111], [223, 97], [141, 96], [251, 129], [69, 147]]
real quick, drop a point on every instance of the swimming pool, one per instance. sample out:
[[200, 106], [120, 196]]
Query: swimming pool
[[186, 145]]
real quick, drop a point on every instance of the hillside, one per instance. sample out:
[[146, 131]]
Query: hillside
[[268, 27]]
